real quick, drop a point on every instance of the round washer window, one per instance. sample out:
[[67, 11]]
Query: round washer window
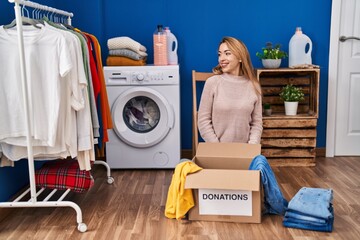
[[141, 114]]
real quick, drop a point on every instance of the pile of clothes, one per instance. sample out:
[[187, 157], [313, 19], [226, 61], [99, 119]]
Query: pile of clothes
[[311, 209], [180, 200], [124, 51]]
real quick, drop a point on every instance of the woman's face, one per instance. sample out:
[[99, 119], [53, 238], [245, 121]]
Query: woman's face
[[228, 61]]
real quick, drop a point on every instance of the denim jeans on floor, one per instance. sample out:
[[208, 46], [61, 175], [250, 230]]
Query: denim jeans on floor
[[313, 202], [309, 225], [303, 217], [274, 201]]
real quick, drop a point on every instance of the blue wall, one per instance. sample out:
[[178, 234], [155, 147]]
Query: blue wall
[[199, 26]]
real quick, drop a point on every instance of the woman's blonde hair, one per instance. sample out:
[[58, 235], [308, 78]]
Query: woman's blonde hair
[[241, 52]]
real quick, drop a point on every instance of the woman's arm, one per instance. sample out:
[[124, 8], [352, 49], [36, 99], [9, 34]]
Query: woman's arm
[[256, 123], [205, 113]]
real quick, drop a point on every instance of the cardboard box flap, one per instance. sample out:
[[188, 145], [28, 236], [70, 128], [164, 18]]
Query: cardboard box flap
[[224, 179], [228, 150], [223, 163]]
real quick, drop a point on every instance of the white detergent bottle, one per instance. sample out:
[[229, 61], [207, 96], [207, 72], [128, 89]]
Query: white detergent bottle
[[172, 46], [298, 44]]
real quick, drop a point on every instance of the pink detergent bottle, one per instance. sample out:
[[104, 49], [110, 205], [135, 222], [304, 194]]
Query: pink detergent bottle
[[160, 46]]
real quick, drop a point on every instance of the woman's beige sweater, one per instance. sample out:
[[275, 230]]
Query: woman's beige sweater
[[230, 110]]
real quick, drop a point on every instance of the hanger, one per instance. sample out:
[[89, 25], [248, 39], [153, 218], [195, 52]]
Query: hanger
[[35, 15], [68, 26], [24, 20]]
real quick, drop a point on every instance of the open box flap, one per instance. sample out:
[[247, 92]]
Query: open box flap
[[226, 155], [224, 179], [228, 150]]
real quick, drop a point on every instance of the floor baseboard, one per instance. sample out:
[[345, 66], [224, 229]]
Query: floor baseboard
[[186, 153], [320, 152]]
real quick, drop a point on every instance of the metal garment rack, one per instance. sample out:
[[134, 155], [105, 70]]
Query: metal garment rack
[[33, 201]]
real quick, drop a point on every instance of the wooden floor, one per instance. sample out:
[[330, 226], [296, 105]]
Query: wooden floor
[[133, 207]]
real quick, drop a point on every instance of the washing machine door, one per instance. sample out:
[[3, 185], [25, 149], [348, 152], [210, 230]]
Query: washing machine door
[[142, 117]]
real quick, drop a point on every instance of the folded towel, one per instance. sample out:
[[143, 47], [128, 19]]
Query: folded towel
[[123, 52], [124, 61], [125, 42]]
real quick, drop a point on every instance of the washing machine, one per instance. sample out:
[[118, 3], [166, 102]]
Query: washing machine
[[145, 108]]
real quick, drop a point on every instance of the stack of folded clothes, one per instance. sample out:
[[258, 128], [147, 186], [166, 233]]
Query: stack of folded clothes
[[124, 51], [311, 209]]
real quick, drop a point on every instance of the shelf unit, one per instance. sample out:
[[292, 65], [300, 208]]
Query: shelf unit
[[290, 140]]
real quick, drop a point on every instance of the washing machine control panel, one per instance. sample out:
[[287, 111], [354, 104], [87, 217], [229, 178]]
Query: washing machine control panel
[[153, 77], [145, 75], [140, 77]]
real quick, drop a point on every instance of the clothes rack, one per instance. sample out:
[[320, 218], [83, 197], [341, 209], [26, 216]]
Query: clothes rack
[[33, 201]]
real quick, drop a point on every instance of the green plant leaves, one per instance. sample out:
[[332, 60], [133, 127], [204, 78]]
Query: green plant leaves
[[290, 93], [267, 106], [271, 52]]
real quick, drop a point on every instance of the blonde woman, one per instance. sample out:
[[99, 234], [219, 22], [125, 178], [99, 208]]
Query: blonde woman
[[230, 107]]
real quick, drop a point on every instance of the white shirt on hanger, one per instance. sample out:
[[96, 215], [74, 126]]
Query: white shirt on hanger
[[47, 60], [73, 98]]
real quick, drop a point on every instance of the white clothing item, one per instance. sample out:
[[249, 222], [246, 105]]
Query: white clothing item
[[59, 149], [79, 104], [85, 155], [84, 126], [74, 97], [16, 153], [42, 48], [63, 135]]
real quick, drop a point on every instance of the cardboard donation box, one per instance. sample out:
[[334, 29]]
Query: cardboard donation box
[[225, 190]]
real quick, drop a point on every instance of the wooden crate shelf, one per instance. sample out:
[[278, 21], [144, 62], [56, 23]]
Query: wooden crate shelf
[[290, 140]]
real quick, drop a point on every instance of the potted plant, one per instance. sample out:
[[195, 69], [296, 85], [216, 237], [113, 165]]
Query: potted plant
[[291, 96], [271, 55], [267, 109]]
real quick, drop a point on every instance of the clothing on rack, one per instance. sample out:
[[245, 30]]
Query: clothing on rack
[[102, 103], [106, 113], [274, 201], [30, 70], [65, 112], [311, 209]]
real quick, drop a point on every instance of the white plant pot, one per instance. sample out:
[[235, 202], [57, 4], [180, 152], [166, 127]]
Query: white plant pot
[[291, 108], [271, 63]]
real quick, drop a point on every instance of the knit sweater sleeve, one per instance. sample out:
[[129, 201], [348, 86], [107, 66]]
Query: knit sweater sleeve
[[205, 123], [256, 123]]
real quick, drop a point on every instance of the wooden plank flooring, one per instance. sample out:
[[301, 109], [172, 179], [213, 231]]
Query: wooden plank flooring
[[133, 207]]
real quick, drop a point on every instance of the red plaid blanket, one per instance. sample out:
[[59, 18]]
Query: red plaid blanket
[[62, 175]]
